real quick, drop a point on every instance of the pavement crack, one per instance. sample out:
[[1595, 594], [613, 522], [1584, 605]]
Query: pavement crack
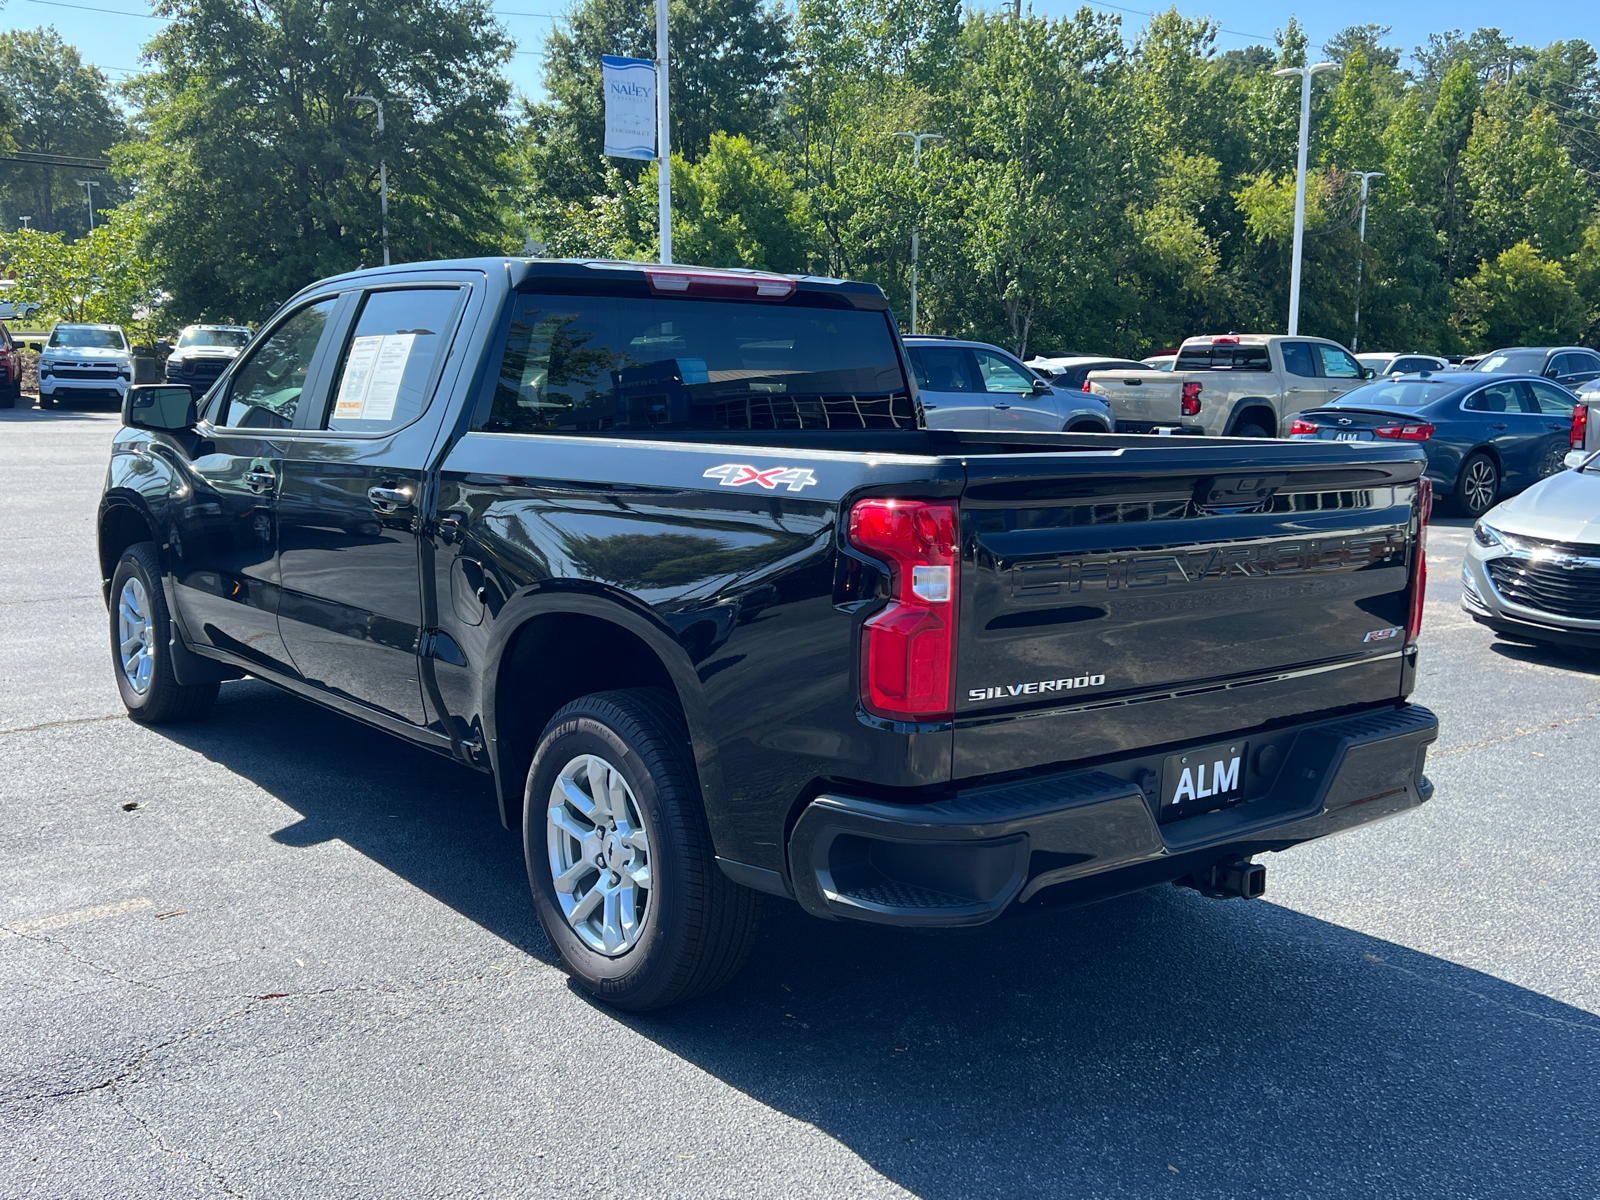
[[63, 724], [1590, 1026], [81, 960], [1512, 736]]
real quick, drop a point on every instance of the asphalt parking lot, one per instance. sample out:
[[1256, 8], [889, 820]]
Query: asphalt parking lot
[[277, 954]]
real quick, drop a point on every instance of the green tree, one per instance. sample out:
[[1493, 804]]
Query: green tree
[[102, 276], [58, 106], [257, 173], [1520, 299]]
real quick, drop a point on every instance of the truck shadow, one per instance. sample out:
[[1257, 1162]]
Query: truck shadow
[[1152, 1045]]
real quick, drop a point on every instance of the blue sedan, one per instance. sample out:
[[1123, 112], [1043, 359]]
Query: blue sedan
[[1486, 437]]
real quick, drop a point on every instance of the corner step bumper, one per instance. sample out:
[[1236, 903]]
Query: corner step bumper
[[962, 860]]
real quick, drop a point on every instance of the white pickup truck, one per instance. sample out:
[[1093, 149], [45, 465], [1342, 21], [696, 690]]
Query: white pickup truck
[[1232, 385]]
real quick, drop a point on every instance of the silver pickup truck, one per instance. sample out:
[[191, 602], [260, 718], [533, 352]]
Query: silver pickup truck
[[1232, 385]]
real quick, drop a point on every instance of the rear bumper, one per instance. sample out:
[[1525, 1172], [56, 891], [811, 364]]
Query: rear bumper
[[963, 860]]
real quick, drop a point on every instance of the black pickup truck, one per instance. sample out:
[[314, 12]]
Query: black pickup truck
[[670, 553]]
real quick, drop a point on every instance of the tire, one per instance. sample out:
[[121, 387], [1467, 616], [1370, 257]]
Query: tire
[[10, 394], [46, 401], [1250, 429], [1087, 427], [692, 928], [150, 692], [1477, 486]]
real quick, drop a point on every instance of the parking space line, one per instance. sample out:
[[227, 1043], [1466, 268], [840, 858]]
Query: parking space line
[[77, 916]]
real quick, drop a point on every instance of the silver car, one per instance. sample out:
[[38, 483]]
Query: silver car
[[973, 385], [1532, 570]]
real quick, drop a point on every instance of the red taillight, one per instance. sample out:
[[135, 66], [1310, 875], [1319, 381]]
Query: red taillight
[[1300, 426], [1580, 425], [1405, 433], [1086, 383], [1419, 569], [1225, 340], [1190, 405], [744, 285], [908, 649]]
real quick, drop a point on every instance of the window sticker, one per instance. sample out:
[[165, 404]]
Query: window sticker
[[372, 375]]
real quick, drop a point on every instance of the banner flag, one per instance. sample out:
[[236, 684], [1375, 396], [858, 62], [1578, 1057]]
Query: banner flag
[[630, 106]]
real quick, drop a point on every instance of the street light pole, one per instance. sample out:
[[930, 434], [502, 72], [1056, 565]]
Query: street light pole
[[88, 186], [663, 134], [1366, 179], [1305, 74], [383, 170], [916, 164]]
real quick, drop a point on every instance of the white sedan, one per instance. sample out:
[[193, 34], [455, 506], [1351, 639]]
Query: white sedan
[[1532, 571]]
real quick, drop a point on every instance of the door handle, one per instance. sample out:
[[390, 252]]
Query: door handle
[[926, 407], [260, 479], [389, 499], [1002, 406], [1502, 425]]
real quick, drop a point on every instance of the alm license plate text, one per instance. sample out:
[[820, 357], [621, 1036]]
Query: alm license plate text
[[1201, 780]]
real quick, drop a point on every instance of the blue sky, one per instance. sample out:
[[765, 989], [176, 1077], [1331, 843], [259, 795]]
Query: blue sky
[[111, 39]]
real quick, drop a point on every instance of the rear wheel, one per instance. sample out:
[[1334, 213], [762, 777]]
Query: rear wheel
[[619, 856], [140, 654], [1249, 429], [1477, 486]]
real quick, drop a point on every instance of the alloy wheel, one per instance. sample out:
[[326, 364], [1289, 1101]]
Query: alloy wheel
[[600, 854], [1479, 485], [135, 635]]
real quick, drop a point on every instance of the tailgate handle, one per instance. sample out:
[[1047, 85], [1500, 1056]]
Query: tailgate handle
[[1236, 493], [1134, 382]]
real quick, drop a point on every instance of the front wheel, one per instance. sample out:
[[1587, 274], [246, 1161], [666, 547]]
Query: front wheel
[[619, 856], [140, 648], [1477, 486]]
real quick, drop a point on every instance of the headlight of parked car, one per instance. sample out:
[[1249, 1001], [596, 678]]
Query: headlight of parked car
[[1487, 535]]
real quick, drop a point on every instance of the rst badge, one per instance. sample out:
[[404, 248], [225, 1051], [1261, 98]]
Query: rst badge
[[1382, 635], [740, 474]]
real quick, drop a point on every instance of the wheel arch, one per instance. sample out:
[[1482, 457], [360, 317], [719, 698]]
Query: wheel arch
[[1252, 406], [123, 522], [551, 648]]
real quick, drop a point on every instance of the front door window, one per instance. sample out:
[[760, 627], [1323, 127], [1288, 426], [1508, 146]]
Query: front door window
[[266, 390]]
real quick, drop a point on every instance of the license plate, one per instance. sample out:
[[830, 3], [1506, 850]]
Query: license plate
[[1349, 436], [1202, 780]]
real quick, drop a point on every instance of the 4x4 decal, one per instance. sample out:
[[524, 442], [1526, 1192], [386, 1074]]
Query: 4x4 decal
[[739, 474]]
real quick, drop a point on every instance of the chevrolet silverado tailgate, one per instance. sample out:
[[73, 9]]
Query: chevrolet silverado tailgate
[[1140, 397], [1176, 590]]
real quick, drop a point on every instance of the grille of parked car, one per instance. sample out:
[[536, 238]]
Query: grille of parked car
[[1556, 581], [202, 368], [62, 372]]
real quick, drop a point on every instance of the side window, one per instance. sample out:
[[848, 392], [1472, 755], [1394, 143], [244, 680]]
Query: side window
[[1498, 398], [941, 368], [265, 392], [1589, 363], [1552, 400], [1297, 359], [1001, 374], [1336, 364], [1562, 365], [387, 365]]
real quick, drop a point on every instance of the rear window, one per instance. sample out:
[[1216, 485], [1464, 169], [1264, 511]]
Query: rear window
[[1513, 362], [1411, 393], [580, 364], [1223, 358]]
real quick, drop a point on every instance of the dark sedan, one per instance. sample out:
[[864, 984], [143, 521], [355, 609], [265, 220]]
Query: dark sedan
[[1570, 366], [1485, 437]]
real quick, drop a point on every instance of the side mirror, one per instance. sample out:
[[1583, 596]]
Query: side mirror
[[1369, 372], [1041, 388], [1550, 372], [36, 347], [163, 407]]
